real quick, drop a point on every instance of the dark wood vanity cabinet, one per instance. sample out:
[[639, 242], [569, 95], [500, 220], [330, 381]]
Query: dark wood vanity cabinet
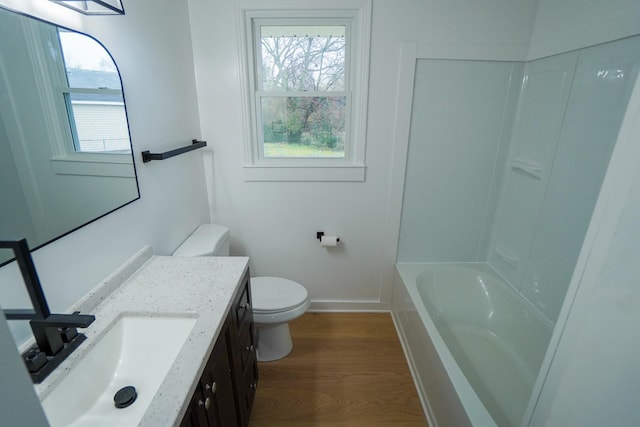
[[213, 402], [244, 365], [225, 392]]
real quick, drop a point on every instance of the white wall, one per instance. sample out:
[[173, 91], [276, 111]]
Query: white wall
[[564, 25], [152, 47], [275, 222]]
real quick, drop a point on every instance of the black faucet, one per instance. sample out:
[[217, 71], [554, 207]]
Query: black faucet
[[55, 334]]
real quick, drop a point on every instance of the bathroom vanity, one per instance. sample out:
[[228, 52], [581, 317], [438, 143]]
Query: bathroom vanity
[[224, 395], [211, 376]]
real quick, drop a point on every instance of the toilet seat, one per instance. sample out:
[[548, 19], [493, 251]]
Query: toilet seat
[[277, 300]]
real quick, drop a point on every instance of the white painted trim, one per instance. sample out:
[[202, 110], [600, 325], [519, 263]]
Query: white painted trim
[[111, 167], [304, 5], [361, 46], [395, 192], [484, 52], [348, 306]]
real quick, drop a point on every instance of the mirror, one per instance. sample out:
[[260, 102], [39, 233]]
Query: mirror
[[65, 150]]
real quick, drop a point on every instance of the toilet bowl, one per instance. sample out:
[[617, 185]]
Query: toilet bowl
[[275, 301]]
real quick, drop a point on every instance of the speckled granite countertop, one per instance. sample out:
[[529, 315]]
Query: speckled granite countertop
[[158, 285]]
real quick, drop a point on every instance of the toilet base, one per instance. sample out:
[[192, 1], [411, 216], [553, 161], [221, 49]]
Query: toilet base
[[274, 341]]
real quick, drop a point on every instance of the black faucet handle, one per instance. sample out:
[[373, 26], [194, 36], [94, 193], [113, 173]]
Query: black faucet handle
[[75, 320], [68, 333], [34, 359]]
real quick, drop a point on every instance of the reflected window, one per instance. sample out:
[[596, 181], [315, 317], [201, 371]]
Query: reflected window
[[93, 96]]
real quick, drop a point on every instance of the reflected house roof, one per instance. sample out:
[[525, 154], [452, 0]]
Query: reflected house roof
[[94, 79]]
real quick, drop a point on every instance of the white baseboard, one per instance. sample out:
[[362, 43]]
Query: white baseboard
[[347, 306]]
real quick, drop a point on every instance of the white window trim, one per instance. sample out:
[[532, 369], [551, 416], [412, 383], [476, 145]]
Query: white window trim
[[352, 166], [90, 164]]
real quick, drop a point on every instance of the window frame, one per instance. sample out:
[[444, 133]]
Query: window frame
[[43, 53], [67, 92], [355, 15], [260, 93], [66, 159]]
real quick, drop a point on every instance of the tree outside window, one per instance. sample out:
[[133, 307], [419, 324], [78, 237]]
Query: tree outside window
[[303, 86]]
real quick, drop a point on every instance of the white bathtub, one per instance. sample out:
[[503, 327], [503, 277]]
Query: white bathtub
[[474, 344]]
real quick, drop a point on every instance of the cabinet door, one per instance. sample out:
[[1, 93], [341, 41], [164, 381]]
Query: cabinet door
[[226, 389], [217, 387], [196, 415], [243, 352]]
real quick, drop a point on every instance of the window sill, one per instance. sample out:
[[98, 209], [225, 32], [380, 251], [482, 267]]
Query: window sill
[[112, 166], [351, 173]]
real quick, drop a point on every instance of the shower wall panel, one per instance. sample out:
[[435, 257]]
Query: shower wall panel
[[602, 85], [552, 183], [534, 140], [506, 162], [460, 128]]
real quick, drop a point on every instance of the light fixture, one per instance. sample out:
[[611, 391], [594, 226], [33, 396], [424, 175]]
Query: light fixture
[[93, 7]]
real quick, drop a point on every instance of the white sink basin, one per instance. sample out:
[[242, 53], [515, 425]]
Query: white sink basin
[[136, 351]]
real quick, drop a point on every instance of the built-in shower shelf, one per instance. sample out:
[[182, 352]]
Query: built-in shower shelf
[[530, 169]]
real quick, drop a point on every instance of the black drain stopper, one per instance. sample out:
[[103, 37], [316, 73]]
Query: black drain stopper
[[125, 396]]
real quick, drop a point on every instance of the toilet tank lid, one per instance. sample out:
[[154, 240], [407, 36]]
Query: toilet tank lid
[[203, 241]]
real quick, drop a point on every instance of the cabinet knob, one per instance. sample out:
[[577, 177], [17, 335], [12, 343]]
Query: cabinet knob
[[249, 348], [253, 385], [206, 403], [213, 387], [245, 306]]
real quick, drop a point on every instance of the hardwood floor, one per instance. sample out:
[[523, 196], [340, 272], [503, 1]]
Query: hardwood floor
[[346, 369]]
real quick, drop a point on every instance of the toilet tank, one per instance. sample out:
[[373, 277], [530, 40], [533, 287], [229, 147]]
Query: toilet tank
[[206, 240]]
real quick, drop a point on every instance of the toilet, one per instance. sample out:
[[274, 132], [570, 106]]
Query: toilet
[[276, 301]]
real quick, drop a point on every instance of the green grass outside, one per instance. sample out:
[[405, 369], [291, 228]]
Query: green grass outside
[[279, 149]]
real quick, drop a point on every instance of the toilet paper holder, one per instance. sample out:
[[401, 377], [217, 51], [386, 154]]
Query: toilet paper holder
[[319, 235]]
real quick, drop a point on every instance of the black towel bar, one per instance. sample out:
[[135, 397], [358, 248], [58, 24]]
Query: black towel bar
[[195, 144]]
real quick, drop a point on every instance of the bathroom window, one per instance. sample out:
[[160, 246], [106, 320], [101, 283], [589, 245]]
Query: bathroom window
[[307, 78]]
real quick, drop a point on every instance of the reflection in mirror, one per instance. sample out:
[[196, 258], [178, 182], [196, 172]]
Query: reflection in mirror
[[65, 150], [93, 96]]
